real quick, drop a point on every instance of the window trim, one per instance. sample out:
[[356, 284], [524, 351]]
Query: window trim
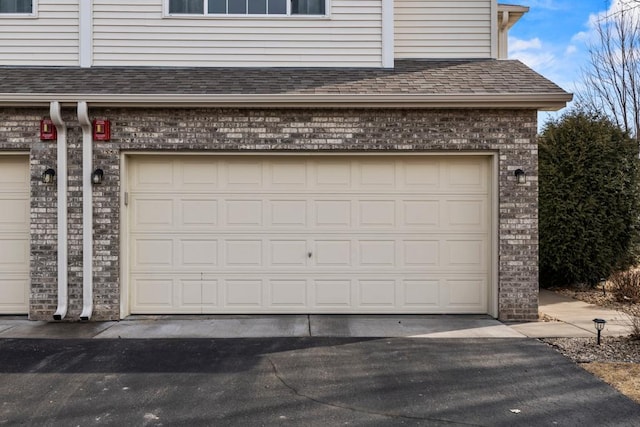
[[33, 14], [205, 15]]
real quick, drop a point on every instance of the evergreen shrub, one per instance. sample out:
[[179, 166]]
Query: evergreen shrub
[[588, 199]]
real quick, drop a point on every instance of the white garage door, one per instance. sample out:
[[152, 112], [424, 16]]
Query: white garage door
[[321, 234], [14, 234]]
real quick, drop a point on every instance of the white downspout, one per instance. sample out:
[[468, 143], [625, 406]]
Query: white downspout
[[63, 290], [87, 211]]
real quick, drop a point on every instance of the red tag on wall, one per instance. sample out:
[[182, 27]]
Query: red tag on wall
[[101, 130], [48, 130]]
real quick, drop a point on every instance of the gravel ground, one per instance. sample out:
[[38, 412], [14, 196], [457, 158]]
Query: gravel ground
[[612, 349], [586, 350]]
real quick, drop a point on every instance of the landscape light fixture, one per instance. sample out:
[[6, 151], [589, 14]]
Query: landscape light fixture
[[97, 176], [521, 177], [599, 324], [48, 176]]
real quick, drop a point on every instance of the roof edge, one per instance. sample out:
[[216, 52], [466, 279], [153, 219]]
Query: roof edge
[[544, 101]]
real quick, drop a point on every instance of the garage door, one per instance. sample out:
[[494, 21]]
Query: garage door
[[321, 234], [14, 234]]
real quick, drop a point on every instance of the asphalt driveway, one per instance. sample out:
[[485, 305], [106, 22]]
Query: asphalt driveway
[[301, 381]]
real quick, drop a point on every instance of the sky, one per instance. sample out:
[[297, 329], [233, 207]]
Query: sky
[[553, 38]]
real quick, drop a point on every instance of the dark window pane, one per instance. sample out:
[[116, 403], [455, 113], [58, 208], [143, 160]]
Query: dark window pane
[[16, 6], [307, 7], [217, 6], [258, 7], [237, 6], [186, 6], [278, 7]]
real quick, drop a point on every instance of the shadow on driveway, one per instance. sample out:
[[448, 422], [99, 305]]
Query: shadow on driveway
[[301, 381]]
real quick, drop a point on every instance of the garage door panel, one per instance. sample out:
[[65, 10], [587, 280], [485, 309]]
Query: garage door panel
[[377, 253], [466, 254], [466, 214], [332, 175], [377, 213], [15, 293], [14, 254], [288, 213], [198, 252], [466, 292], [289, 293], [331, 253], [377, 174], [420, 293], [421, 253], [243, 253], [14, 234], [243, 293], [421, 175], [199, 174], [332, 213], [244, 174], [466, 175], [199, 213], [153, 173], [14, 212], [288, 253], [241, 213], [332, 293], [14, 173], [377, 293], [153, 253], [194, 294], [153, 214], [153, 292], [313, 235], [287, 175], [422, 213]]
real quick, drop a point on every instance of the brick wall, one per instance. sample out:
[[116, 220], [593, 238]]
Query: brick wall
[[511, 133]]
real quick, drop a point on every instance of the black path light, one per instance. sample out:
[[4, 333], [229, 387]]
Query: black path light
[[599, 324]]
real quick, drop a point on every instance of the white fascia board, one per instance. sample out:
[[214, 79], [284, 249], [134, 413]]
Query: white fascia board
[[521, 100]]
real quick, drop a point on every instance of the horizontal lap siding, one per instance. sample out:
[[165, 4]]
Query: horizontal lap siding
[[442, 29], [135, 33], [50, 38]]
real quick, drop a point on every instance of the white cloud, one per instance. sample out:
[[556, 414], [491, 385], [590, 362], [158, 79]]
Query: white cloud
[[571, 49], [531, 52], [517, 45]]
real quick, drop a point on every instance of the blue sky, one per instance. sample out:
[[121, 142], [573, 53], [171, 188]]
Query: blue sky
[[552, 38]]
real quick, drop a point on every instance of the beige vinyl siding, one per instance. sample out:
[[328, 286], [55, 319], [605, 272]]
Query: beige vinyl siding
[[442, 29], [136, 33], [49, 38]]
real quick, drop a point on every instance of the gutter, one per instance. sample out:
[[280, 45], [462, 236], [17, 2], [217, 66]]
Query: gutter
[[63, 288], [540, 101], [87, 211]]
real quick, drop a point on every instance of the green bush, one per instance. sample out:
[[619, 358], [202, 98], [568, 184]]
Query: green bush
[[588, 199]]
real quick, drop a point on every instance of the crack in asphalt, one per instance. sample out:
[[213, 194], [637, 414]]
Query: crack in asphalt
[[277, 374]]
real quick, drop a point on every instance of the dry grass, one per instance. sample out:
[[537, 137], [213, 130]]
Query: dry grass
[[625, 286], [625, 377]]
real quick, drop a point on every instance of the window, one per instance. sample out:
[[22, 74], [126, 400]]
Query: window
[[246, 7], [16, 6]]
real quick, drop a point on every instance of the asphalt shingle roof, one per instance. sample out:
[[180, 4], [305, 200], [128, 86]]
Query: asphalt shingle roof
[[416, 77]]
